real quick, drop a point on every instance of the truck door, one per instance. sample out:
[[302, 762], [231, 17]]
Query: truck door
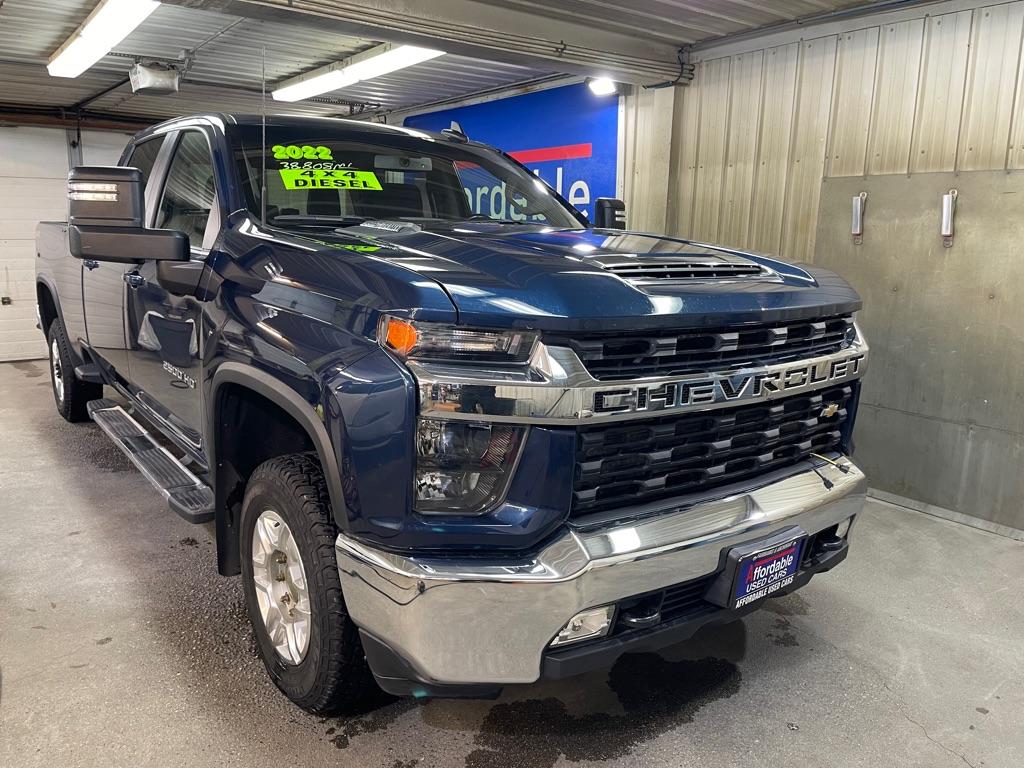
[[104, 288], [163, 330]]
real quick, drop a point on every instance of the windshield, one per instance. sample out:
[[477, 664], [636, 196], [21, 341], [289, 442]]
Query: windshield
[[325, 177]]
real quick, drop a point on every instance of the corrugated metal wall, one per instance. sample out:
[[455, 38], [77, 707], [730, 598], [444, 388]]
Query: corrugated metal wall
[[757, 131], [775, 136]]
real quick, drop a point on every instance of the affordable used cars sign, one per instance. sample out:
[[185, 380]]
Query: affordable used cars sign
[[566, 135]]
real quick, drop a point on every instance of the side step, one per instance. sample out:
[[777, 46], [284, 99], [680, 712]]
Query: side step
[[186, 494], [89, 372]]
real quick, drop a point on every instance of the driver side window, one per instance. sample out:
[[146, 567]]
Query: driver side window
[[189, 192]]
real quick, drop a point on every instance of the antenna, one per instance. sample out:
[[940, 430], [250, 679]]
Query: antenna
[[263, 140]]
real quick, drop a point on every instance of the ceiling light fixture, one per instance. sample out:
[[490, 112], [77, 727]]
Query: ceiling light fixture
[[602, 86], [363, 66], [109, 23]]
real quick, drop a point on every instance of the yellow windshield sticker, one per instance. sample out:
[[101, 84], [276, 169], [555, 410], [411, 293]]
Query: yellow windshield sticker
[[300, 152], [319, 178]]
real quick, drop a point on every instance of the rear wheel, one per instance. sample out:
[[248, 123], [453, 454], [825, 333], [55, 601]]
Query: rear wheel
[[70, 395], [293, 593]]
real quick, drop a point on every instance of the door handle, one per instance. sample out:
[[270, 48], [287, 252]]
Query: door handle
[[90, 264], [134, 279]]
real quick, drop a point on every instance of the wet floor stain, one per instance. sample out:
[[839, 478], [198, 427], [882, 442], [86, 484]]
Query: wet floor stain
[[656, 696], [783, 634], [104, 640], [790, 605], [31, 370], [347, 728]]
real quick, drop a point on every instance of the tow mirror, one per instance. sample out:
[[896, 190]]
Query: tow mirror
[[106, 219], [609, 213]]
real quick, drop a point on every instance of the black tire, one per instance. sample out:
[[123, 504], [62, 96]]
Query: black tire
[[332, 677], [71, 400]]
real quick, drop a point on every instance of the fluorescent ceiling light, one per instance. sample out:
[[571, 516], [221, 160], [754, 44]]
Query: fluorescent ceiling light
[[602, 86], [110, 22], [363, 66]]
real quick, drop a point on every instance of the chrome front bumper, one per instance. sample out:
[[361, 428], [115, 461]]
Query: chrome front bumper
[[468, 621]]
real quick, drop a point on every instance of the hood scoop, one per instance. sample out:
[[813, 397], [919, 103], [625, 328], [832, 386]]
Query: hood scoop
[[645, 269]]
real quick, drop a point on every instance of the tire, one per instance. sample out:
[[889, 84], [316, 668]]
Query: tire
[[70, 395], [331, 675]]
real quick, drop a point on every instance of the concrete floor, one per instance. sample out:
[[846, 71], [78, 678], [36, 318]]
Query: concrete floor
[[120, 646]]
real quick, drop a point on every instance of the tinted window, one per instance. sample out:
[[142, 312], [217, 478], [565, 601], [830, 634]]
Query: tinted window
[[189, 192], [144, 156]]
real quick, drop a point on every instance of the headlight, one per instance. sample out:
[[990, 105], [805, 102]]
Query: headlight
[[437, 341], [463, 467]]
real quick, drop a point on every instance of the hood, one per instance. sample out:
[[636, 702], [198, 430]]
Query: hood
[[518, 275]]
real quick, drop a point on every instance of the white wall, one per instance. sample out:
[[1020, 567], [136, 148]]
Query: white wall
[[33, 185]]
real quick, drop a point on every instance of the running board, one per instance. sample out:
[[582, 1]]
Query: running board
[[186, 494]]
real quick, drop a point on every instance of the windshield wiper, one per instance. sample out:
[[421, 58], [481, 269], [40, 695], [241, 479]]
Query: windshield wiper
[[301, 218], [483, 217]]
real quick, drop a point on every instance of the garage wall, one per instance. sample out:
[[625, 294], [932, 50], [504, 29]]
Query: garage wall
[[33, 186], [775, 136], [934, 89]]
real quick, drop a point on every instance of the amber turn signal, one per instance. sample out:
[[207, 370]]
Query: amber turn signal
[[400, 335]]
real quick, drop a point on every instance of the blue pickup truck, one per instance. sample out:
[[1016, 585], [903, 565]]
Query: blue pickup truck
[[451, 434]]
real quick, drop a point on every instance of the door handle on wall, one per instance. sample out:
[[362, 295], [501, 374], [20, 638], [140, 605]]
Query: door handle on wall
[[948, 213], [860, 202], [134, 279]]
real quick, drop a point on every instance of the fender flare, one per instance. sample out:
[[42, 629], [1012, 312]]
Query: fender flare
[[47, 283], [294, 405]]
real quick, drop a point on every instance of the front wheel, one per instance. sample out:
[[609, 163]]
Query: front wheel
[[293, 592]]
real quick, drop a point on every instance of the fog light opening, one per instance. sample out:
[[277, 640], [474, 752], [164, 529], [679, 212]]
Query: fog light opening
[[586, 625]]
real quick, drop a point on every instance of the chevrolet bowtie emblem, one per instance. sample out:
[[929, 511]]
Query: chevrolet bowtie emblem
[[829, 410]]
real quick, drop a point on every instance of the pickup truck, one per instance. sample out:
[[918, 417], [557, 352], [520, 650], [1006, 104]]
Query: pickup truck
[[452, 435]]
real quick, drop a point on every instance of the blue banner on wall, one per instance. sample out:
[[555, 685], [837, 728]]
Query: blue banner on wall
[[567, 135]]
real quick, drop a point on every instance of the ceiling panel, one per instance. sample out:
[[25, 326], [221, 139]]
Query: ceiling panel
[[678, 21], [221, 58]]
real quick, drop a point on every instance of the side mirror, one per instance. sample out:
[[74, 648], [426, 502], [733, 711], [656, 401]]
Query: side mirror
[[105, 219], [609, 213]]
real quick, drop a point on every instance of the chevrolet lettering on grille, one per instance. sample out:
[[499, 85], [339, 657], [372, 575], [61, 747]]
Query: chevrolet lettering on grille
[[722, 388]]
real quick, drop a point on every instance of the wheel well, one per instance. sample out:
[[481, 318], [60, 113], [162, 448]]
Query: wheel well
[[47, 306], [249, 430]]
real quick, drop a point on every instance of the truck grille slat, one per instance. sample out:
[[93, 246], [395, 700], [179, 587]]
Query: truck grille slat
[[626, 356], [625, 464]]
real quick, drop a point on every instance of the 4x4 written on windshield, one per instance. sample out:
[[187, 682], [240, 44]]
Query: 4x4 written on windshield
[[323, 178]]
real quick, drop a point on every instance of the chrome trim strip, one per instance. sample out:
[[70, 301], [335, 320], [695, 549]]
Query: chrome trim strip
[[472, 621], [556, 388]]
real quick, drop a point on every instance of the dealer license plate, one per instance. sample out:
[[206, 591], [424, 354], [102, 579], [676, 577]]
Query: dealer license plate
[[762, 573]]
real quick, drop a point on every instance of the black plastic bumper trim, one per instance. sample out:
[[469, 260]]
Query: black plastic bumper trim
[[603, 653]]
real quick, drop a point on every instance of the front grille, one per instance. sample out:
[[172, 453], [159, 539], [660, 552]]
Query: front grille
[[631, 463], [626, 356]]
